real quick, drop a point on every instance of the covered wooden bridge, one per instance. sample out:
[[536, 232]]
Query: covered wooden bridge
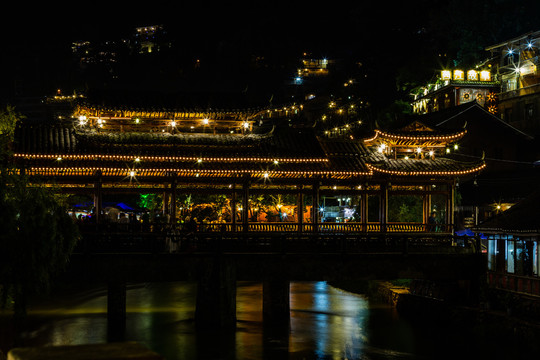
[[390, 182]]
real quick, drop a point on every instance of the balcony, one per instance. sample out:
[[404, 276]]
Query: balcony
[[529, 90]]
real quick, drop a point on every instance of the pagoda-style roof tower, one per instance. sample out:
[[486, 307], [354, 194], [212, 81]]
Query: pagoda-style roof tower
[[416, 140]]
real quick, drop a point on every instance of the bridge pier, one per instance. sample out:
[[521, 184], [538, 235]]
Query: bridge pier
[[216, 295], [116, 310], [276, 317], [276, 304]]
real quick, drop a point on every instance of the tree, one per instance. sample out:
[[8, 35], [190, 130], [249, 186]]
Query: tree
[[8, 120], [37, 237]]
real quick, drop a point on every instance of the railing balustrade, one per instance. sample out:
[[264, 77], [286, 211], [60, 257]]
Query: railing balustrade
[[348, 227], [99, 240], [280, 227], [522, 284]]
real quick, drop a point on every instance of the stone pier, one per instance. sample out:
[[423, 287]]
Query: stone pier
[[216, 295]]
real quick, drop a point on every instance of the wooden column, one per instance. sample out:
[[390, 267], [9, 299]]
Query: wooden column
[[98, 196], [450, 205], [315, 204], [233, 209], [426, 207], [245, 203], [165, 209], [383, 215], [364, 210], [173, 200], [300, 208]]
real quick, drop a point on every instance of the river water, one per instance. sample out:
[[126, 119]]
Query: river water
[[326, 323]]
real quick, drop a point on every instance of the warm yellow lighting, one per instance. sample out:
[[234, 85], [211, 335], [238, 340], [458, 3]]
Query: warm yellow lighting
[[199, 160], [137, 159], [456, 146], [266, 175], [459, 75], [205, 121], [137, 121], [485, 75], [419, 150], [472, 75], [424, 173], [406, 137], [446, 75], [132, 173]]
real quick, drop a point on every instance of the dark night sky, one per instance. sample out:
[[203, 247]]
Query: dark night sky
[[296, 22], [388, 35]]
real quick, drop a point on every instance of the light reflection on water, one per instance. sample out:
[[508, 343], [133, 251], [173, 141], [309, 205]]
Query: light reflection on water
[[326, 323]]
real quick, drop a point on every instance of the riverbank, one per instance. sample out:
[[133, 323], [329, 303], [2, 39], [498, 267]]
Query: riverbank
[[495, 319]]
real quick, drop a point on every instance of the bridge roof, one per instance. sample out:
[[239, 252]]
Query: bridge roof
[[520, 219], [280, 152]]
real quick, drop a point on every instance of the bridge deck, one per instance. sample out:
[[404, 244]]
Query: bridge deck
[[272, 242]]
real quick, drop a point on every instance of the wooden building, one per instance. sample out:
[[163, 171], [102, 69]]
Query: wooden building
[[242, 154], [454, 87], [512, 247], [514, 62]]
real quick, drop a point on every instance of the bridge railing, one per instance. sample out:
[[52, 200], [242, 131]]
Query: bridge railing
[[349, 227], [173, 241]]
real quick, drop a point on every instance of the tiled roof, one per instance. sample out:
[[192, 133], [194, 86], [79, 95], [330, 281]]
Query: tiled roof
[[282, 152], [521, 218], [424, 166]]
